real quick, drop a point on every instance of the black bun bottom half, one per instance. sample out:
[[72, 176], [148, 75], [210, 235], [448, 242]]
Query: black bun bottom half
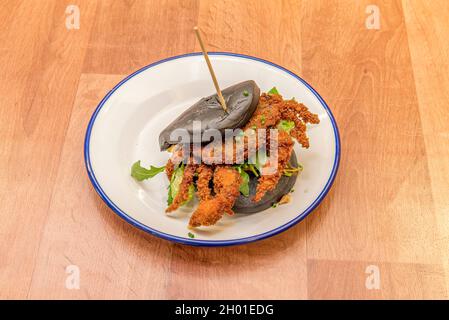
[[246, 205]]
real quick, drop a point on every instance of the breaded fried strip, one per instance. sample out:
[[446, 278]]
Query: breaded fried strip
[[183, 193], [302, 111], [208, 212], [300, 115], [299, 131], [204, 177], [226, 186], [169, 169], [270, 111], [267, 113], [227, 182], [269, 182]]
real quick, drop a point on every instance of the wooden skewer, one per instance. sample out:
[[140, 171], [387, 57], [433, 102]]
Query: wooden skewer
[[212, 73]]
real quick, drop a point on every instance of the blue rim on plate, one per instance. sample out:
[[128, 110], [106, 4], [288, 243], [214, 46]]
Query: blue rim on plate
[[210, 243]]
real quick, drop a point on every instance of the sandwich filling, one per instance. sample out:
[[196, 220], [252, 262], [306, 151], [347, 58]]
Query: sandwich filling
[[218, 184]]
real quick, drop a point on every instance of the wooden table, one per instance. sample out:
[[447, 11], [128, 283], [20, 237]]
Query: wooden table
[[385, 221]]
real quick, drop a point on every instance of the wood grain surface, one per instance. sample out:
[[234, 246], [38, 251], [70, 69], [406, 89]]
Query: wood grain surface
[[388, 209]]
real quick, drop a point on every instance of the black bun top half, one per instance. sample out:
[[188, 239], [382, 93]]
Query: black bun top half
[[241, 101], [285, 185]]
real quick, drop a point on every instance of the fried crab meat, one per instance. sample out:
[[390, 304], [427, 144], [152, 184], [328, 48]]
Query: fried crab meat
[[211, 209], [226, 180], [205, 174], [169, 169], [270, 111], [269, 181]]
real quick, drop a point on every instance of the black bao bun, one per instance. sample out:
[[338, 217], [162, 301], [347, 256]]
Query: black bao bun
[[241, 101], [246, 205]]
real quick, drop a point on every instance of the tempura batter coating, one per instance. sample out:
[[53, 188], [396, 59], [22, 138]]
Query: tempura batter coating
[[268, 182], [226, 179], [226, 187], [169, 169], [205, 174], [270, 111]]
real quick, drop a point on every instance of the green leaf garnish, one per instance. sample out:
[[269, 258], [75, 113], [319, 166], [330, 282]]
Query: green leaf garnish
[[245, 93], [289, 171], [286, 125], [175, 183], [261, 160], [273, 91], [244, 185], [190, 193], [191, 235], [170, 197], [252, 168], [140, 173]]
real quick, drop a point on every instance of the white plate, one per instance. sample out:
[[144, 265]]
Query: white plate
[[125, 128]]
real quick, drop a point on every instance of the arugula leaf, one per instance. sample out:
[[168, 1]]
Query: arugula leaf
[[289, 171], [261, 160], [140, 173], [170, 198], [191, 192], [244, 185], [273, 91], [286, 125], [175, 183], [250, 167]]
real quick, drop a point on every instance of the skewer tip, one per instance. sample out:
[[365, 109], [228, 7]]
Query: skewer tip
[[211, 70]]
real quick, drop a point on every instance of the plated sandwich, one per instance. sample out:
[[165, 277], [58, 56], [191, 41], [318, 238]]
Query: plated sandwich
[[236, 161]]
